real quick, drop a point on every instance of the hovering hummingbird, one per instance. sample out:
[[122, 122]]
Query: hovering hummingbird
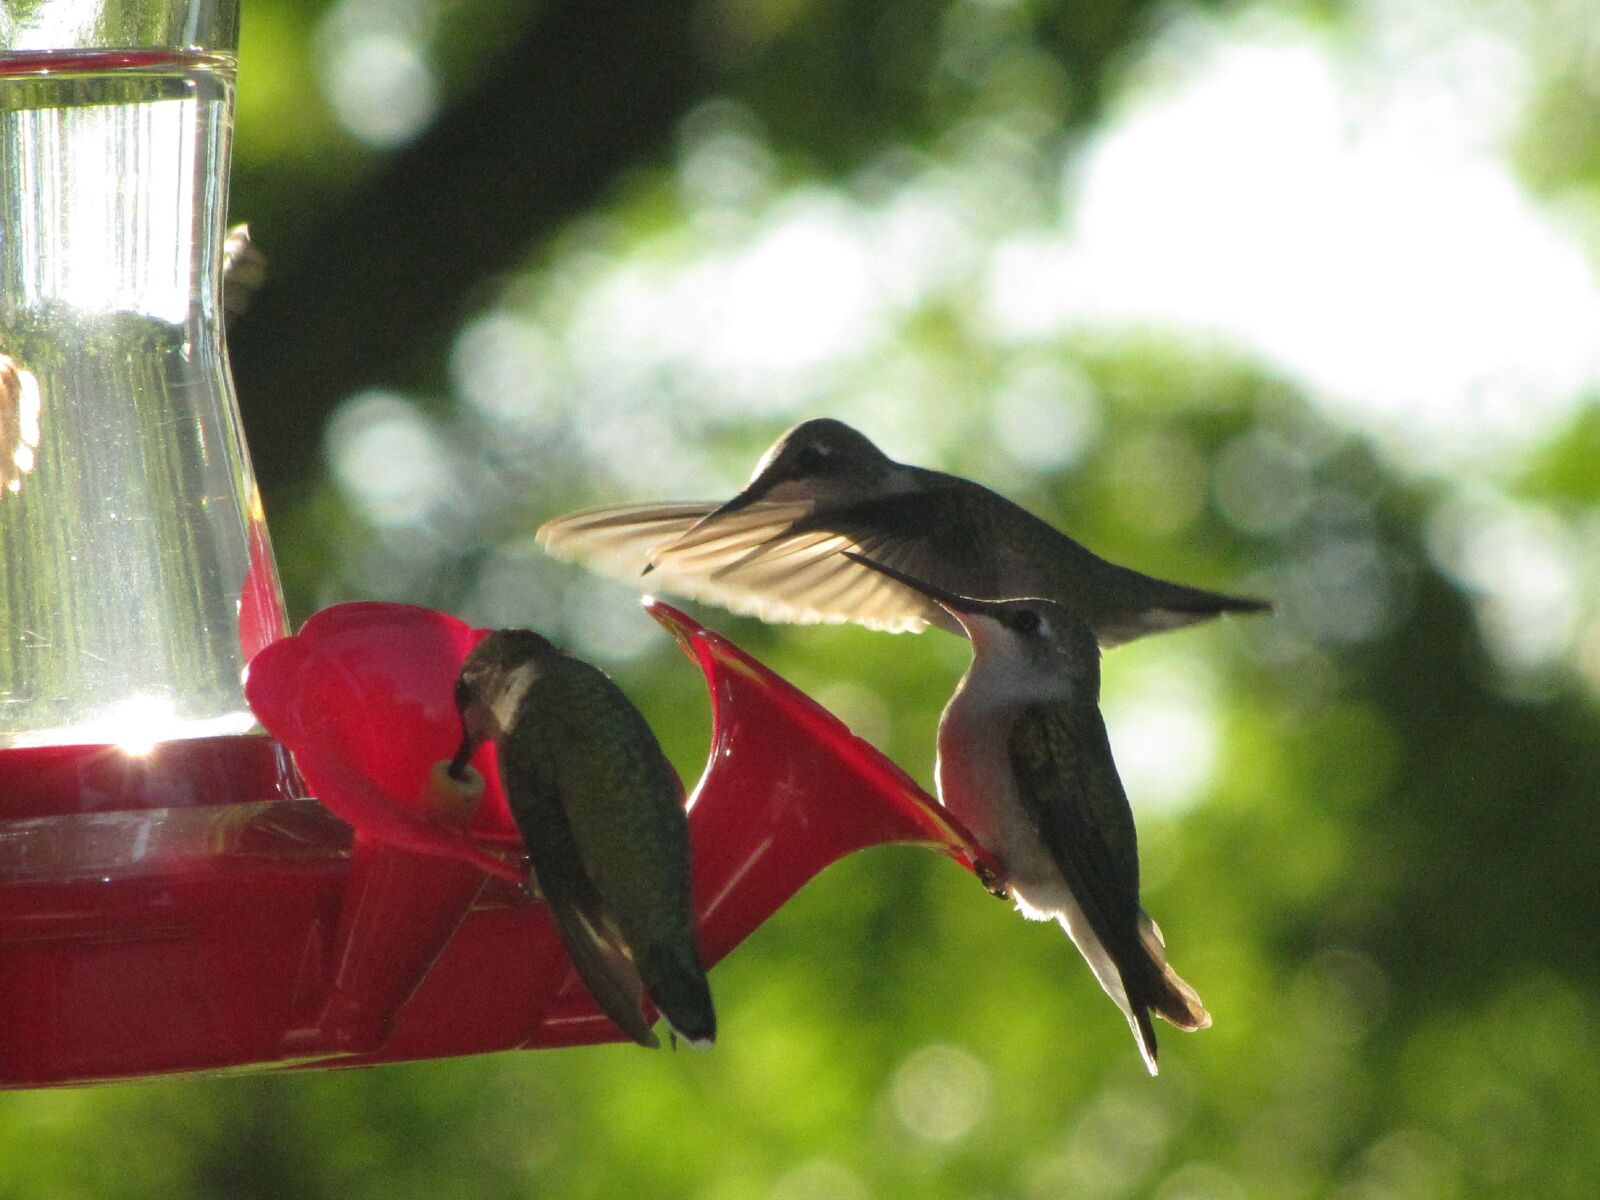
[[775, 549], [1024, 763], [601, 812]]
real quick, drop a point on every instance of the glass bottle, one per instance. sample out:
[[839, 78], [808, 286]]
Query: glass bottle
[[136, 579]]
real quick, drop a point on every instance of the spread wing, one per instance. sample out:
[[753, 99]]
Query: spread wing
[[778, 560], [616, 540], [588, 930]]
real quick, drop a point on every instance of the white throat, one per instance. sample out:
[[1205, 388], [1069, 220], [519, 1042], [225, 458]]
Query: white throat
[[509, 701], [1003, 675]]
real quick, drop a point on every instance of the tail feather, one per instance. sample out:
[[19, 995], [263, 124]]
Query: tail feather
[[1145, 1034], [1150, 985], [1203, 603], [1168, 606], [1136, 976], [1172, 999], [677, 983]]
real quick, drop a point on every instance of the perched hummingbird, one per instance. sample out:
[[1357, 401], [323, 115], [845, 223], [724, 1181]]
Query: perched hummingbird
[[775, 549], [1025, 765], [601, 812]]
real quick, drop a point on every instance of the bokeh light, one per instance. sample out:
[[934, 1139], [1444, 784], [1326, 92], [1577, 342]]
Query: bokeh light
[[375, 71]]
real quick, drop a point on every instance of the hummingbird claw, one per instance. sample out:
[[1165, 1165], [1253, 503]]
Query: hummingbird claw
[[992, 882]]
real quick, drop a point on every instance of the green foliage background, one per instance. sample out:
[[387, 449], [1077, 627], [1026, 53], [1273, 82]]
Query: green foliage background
[[1383, 882]]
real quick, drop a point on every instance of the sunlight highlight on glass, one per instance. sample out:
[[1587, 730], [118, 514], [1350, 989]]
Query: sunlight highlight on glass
[[140, 722], [89, 216], [137, 724]]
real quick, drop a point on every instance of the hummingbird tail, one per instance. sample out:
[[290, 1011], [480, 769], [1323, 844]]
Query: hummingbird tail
[[1161, 606], [1162, 989], [1145, 1034], [1197, 604], [1151, 985], [1206, 604], [677, 983]]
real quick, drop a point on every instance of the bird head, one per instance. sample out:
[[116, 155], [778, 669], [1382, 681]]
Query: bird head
[[492, 685], [1047, 647], [821, 459]]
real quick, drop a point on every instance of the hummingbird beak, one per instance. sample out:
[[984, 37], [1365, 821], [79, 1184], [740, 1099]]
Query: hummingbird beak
[[457, 769], [755, 490], [962, 608]]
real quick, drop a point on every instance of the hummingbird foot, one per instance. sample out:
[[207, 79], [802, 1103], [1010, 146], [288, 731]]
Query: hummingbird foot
[[992, 881]]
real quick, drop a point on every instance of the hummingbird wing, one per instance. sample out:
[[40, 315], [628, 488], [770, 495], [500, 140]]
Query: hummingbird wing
[[616, 539], [588, 929], [624, 806], [1067, 783], [768, 559], [781, 560]]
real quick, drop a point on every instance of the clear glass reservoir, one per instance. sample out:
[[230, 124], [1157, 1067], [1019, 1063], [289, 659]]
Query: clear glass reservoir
[[136, 580]]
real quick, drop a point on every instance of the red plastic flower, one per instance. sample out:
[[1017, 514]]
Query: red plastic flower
[[364, 698]]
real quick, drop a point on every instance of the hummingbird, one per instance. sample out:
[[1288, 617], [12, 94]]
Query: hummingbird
[[1025, 764], [776, 550], [244, 270], [601, 813]]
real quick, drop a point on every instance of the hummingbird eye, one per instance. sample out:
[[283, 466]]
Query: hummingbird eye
[[810, 458], [1027, 622]]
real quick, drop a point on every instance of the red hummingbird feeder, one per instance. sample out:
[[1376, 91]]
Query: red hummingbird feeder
[[204, 868], [176, 912]]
